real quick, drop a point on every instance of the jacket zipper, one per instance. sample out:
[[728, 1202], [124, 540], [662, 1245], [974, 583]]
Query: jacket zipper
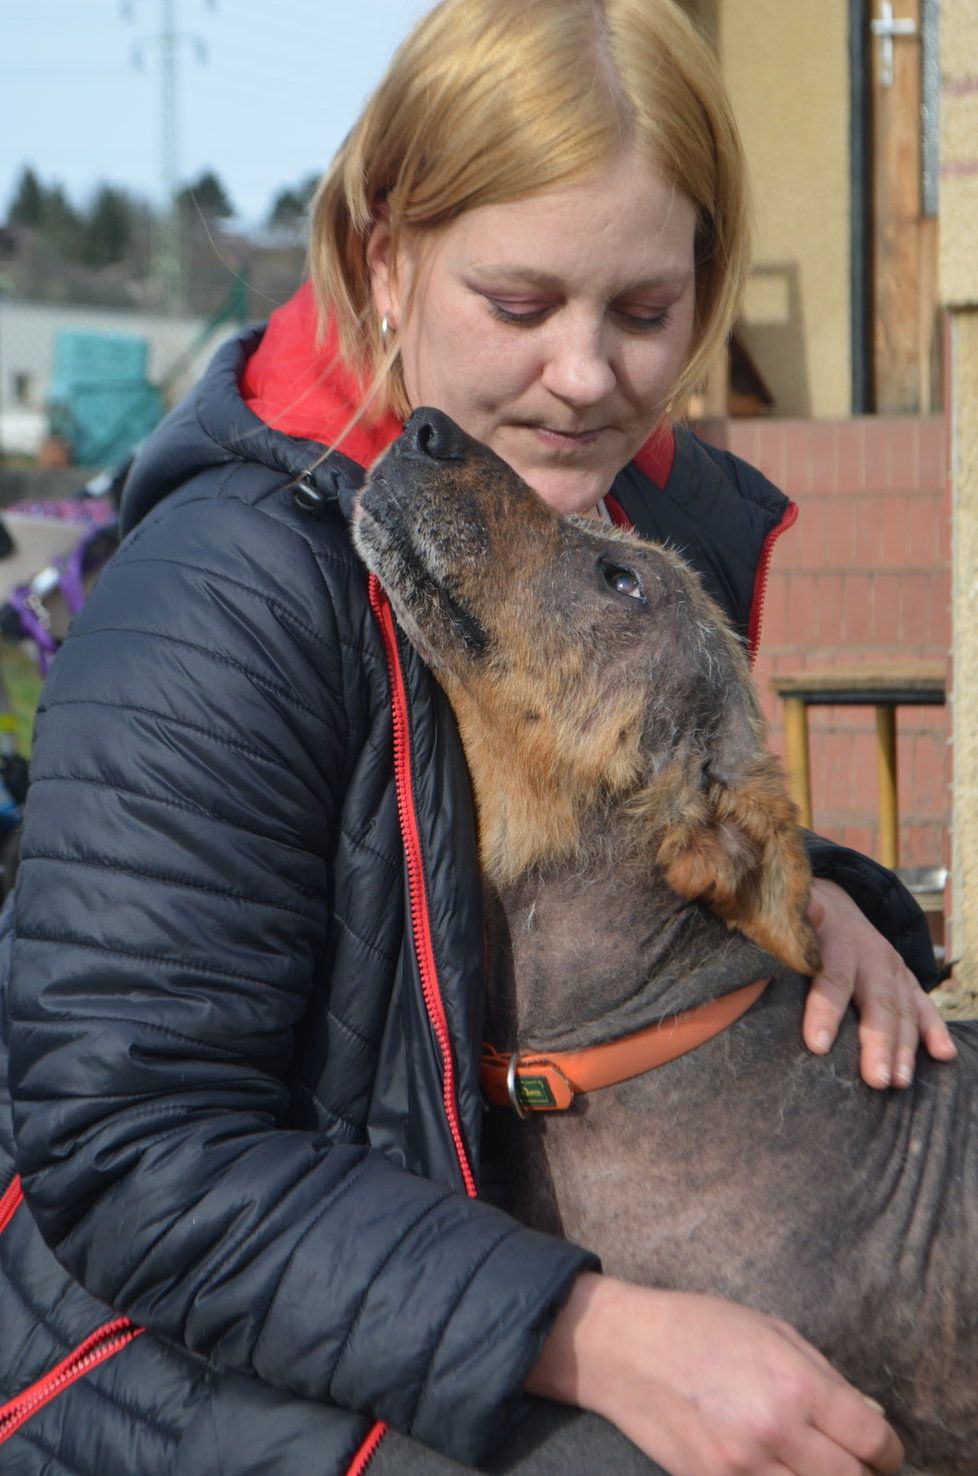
[[420, 922], [761, 579], [9, 1200], [101, 1345], [367, 1450]]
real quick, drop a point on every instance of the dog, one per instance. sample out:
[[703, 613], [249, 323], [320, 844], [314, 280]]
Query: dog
[[642, 861]]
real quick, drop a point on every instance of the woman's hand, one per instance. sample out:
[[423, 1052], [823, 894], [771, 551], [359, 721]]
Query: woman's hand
[[709, 1388], [860, 966]]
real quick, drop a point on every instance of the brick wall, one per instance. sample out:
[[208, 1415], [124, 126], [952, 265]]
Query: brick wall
[[863, 576]]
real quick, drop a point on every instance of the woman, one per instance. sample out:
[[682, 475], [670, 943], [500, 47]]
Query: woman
[[243, 1036]]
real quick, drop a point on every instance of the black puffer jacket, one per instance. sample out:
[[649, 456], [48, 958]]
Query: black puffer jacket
[[246, 998]]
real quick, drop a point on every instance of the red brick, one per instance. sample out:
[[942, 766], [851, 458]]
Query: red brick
[[905, 743], [920, 845], [835, 771], [770, 451], [895, 551], [878, 460], [923, 529], [944, 535], [929, 778], [932, 453], [774, 618], [742, 439], [801, 547], [865, 775], [888, 592], [924, 610], [798, 457], [859, 598], [851, 455], [839, 532], [867, 514], [800, 619], [859, 838], [825, 457], [904, 462], [831, 615], [941, 613], [790, 551]]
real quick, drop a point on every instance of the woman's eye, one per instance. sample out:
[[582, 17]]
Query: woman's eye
[[623, 581], [639, 322], [516, 312]]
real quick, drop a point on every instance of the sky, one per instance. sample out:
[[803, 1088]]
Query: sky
[[281, 83]]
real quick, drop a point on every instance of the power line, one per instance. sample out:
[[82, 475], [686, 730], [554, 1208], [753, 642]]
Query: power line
[[171, 44]]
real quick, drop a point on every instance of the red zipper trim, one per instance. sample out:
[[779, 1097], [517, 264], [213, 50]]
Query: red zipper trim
[[420, 920], [9, 1200], [103, 1344], [656, 457], [761, 578], [617, 513], [367, 1450]]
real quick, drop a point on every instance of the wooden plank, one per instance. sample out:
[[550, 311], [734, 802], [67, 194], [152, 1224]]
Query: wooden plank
[[886, 755], [796, 758], [920, 682], [898, 348]]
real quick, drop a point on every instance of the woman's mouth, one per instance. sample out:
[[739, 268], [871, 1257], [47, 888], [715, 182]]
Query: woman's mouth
[[565, 440]]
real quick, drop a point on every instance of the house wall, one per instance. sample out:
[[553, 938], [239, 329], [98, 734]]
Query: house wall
[[862, 577], [787, 70]]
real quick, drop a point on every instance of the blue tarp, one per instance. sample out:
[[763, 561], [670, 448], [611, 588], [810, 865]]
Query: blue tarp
[[101, 400]]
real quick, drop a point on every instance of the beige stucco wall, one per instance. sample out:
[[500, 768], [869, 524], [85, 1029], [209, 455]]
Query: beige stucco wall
[[959, 292], [787, 68]]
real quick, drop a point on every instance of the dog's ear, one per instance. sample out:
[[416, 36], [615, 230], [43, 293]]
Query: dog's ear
[[736, 847]]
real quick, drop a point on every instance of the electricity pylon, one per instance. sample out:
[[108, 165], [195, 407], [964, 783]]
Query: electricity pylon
[[168, 41]]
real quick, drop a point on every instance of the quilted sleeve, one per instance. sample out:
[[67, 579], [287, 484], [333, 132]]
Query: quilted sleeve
[[192, 746]]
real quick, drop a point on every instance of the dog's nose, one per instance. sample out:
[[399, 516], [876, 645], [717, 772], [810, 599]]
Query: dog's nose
[[431, 435]]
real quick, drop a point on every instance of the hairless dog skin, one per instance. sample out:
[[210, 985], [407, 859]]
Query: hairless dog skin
[[641, 857]]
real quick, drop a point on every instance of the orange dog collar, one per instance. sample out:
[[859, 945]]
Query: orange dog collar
[[549, 1081]]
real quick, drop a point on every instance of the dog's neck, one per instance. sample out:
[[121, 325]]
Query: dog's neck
[[581, 954]]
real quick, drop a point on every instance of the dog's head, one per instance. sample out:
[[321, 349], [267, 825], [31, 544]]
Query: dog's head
[[591, 675]]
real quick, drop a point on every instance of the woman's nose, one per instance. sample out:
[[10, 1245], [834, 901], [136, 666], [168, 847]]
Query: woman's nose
[[580, 368]]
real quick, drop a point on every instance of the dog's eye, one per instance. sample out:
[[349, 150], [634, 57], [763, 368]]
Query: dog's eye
[[623, 581]]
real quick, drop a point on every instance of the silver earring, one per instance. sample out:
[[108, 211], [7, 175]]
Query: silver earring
[[385, 327]]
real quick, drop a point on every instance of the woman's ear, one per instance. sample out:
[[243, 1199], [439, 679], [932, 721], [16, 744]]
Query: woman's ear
[[381, 266]]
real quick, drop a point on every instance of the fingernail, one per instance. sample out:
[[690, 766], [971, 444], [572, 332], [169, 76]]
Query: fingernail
[[822, 1042], [904, 1075], [883, 1075], [875, 1404]]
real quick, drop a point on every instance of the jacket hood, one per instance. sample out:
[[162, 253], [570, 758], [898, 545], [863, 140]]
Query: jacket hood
[[214, 427]]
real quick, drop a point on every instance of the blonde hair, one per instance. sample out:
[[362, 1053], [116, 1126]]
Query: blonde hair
[[489, 101]]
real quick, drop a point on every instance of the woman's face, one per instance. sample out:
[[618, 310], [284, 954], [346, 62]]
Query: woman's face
[[553, 328]]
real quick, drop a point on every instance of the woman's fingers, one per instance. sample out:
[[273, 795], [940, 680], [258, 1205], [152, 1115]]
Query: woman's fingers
[[884, 995], [933, 1029], [861, 967], [848, 1419]]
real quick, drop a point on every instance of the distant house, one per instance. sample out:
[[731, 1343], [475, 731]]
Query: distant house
[[28, 331]]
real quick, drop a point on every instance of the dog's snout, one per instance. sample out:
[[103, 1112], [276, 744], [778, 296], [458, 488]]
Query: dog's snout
[[431, 435]]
